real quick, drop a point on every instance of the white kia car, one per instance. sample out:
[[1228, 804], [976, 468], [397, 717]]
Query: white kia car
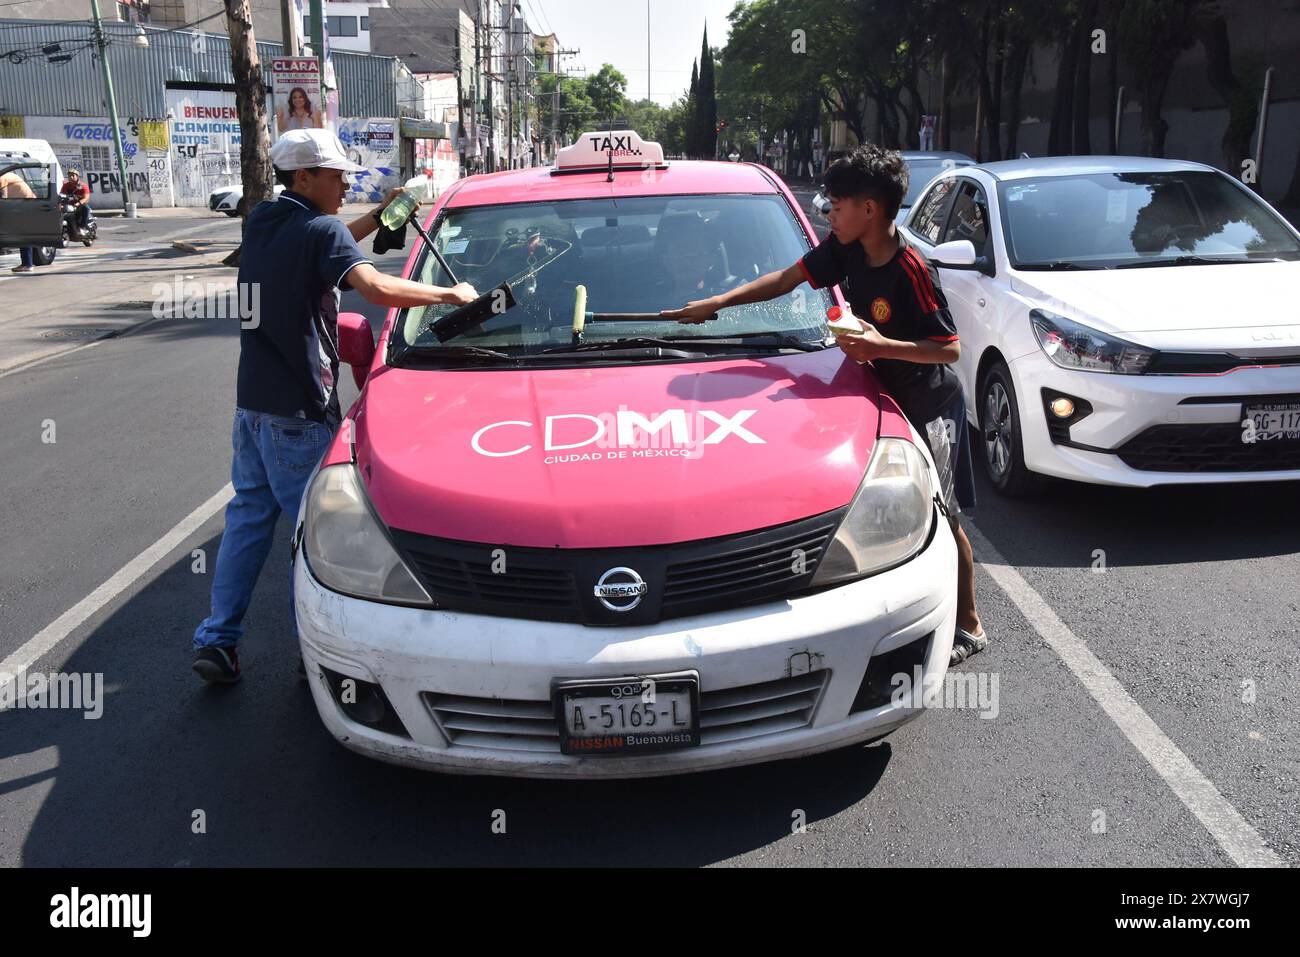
[[1124, 320]]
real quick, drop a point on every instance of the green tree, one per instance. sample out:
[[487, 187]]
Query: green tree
[[1155, 34], [606, 90], [691, 138], [708, 103]]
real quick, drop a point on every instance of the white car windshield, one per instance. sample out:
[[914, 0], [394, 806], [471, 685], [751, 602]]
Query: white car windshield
[[1106, 220], [634, 257]]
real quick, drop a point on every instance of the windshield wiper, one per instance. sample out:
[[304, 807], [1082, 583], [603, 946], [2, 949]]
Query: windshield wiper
[[744, 340], [451, 352], [1058, 264], [1192, 261]]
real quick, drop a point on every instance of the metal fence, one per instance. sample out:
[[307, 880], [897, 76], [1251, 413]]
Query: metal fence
[[31, 85]]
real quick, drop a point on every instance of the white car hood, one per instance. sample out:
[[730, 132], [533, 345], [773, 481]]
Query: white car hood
[[1244, 308]]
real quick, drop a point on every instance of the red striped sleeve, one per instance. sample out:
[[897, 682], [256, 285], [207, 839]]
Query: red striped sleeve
[[806, 274], [924, 277], [910, 269], [942, 338]]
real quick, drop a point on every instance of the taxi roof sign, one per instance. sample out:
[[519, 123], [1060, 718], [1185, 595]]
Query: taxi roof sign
[[594, 149]]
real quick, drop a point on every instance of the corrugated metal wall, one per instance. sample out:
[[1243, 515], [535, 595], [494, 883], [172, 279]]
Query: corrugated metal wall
[[368, 85]]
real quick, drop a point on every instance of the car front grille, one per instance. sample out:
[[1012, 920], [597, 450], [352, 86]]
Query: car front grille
[[759, 571], [1216, 447], [1211, 363], [525, 585], [689, 578], [731, 714]]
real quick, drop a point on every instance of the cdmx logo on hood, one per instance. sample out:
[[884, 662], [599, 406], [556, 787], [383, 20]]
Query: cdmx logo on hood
[[671, 432]]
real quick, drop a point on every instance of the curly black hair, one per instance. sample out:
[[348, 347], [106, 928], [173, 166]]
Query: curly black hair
[[871, 171]]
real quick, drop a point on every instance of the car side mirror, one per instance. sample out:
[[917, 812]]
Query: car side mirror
[[957, 254], [821, 205], [356, 345]]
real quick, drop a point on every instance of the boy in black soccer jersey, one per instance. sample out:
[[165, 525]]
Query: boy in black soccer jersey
[[908, 334]]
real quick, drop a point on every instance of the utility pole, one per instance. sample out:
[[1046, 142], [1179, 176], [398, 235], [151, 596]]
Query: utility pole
[[318, 47], [288, 28], [101, 44], [460, 101], [488, 75]]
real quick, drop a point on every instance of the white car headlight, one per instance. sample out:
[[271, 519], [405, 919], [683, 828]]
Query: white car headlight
[[347, 548], [890, 517], [1072, 345]]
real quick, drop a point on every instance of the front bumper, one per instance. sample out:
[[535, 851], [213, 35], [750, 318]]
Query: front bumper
[[1125, 407], [498, 671]]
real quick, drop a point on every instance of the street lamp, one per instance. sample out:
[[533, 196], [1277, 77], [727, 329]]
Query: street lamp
[[128, 207]]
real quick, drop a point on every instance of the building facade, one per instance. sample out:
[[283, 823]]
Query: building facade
[[175, 97]]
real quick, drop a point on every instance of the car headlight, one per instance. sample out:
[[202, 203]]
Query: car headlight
[[1072, 345], [889, 519], [346, 546]]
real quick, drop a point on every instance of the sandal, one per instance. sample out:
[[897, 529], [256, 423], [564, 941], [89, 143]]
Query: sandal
[[964, 644]]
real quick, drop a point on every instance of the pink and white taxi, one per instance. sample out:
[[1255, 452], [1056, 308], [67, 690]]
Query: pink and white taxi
[[565, 537]]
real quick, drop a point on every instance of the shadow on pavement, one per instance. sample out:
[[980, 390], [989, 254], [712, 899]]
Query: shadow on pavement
[[276, 789]]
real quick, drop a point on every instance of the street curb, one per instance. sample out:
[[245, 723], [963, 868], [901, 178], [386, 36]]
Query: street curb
[[198, 246]]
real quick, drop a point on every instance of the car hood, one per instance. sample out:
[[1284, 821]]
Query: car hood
[[563, 457], [1241, 306]]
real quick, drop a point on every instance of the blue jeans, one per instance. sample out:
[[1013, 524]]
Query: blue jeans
[[274, 457], [25, 255]]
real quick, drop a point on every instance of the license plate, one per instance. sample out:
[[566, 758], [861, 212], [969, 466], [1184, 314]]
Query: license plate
[[630, 715], [1276, 420]]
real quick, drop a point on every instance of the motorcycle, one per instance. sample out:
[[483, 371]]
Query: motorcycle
[[71, 232]]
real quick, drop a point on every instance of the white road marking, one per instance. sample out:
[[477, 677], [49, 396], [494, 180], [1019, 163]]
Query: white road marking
[[56, 631], [1238, 839]]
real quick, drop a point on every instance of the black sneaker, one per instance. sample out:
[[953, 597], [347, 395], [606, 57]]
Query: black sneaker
[[217, 664]]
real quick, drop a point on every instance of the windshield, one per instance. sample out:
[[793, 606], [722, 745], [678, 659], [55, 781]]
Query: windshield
[[633, 256], [1117, 219]]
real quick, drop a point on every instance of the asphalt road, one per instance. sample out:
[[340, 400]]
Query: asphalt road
[[1200, 594]]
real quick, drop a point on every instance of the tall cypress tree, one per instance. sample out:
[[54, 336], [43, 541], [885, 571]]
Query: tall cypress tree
[[708, 108], [693, 114]]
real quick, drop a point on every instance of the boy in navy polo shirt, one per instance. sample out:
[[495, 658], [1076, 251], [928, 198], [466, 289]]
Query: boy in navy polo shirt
[[296, 256], [908, 334]]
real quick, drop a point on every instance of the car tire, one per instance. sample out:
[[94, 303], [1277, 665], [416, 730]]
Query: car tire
[[1001, 446], [232, 213], [43, 255]]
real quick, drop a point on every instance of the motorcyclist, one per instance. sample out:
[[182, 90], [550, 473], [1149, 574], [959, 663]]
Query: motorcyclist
[[77, 195]]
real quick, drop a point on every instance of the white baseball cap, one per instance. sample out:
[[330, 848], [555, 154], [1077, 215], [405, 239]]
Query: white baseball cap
[[303, 149]]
